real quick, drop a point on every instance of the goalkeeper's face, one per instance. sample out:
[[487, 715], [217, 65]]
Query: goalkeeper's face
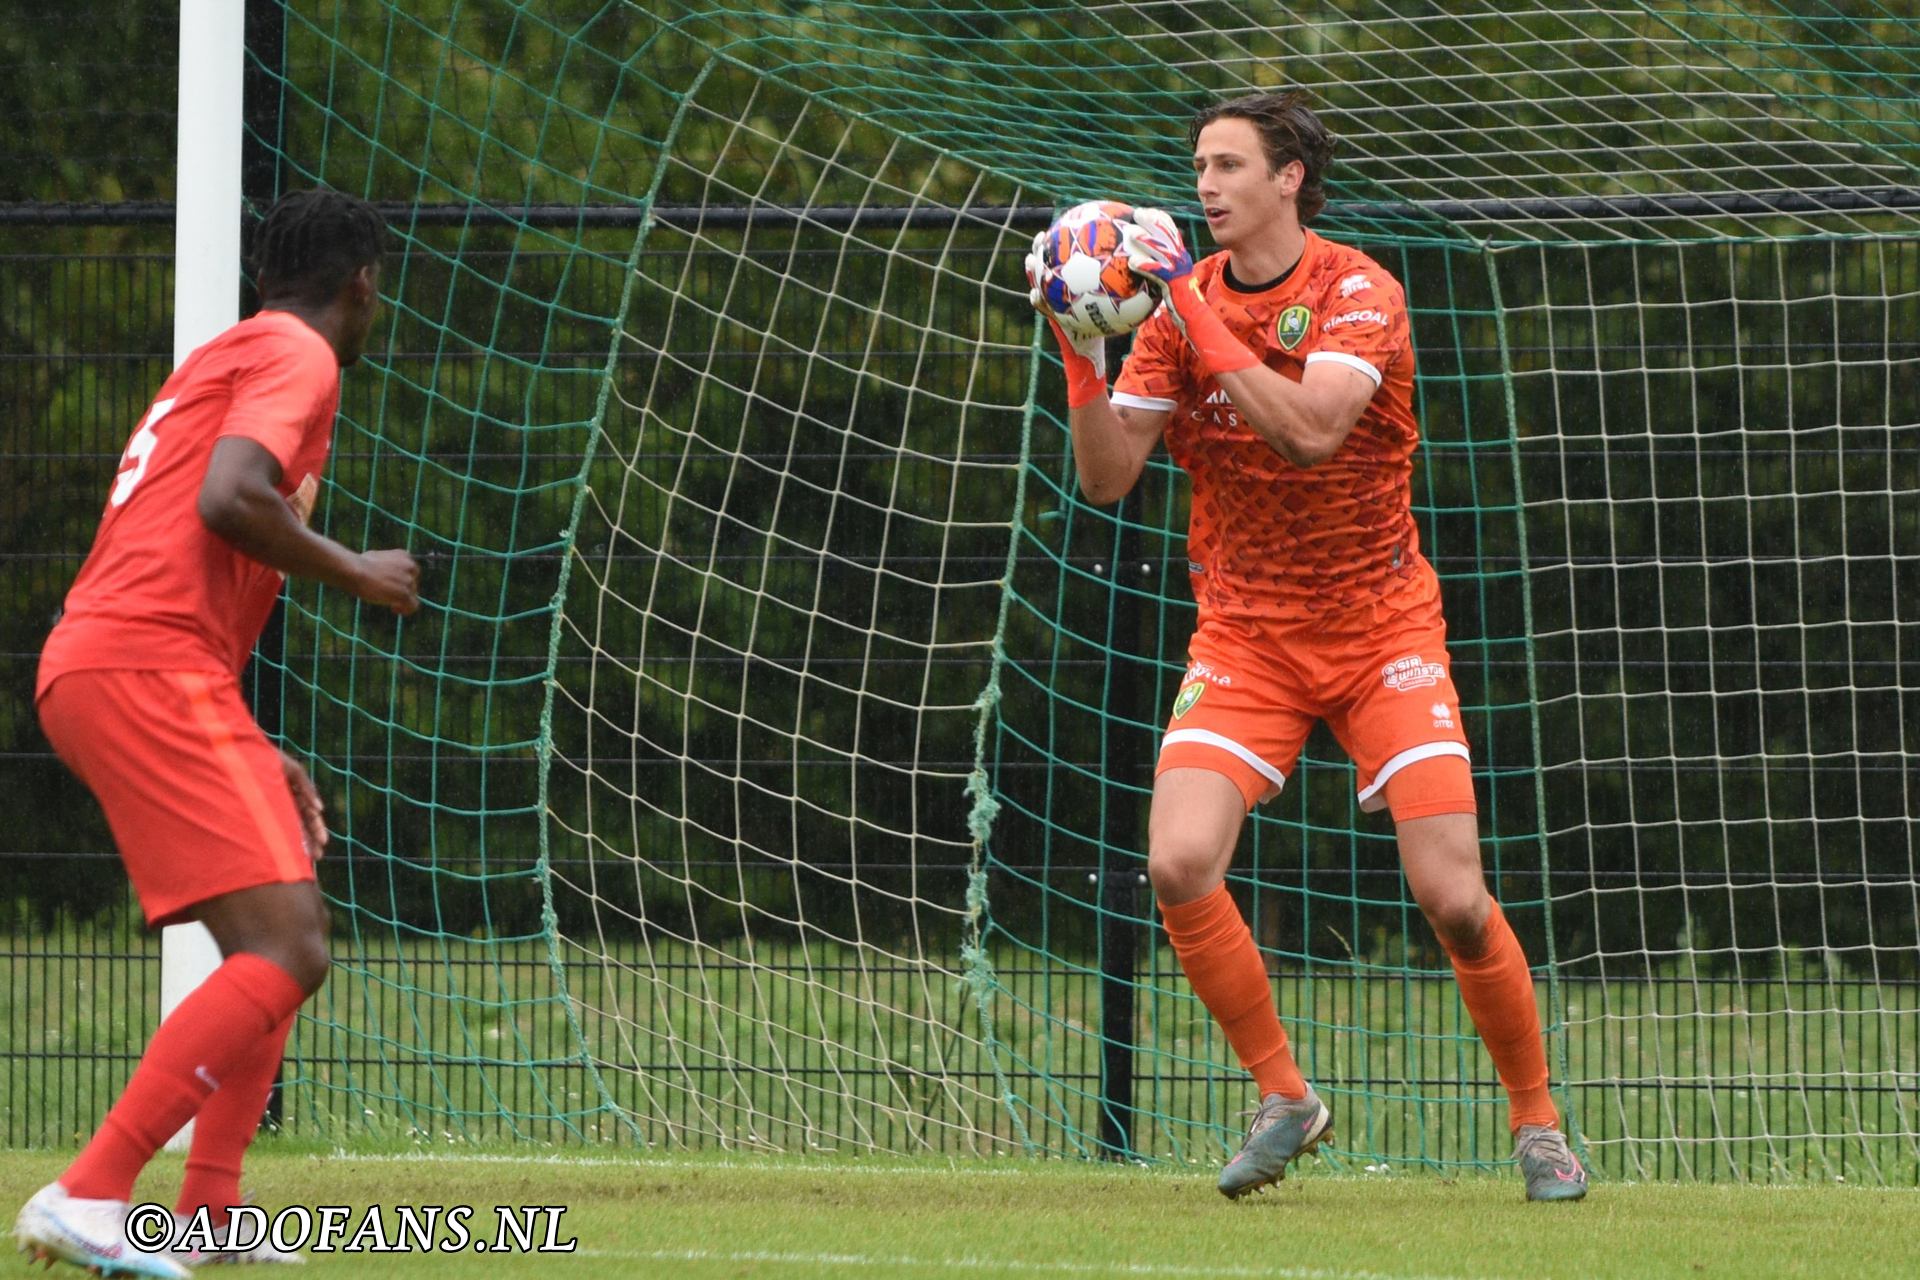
[[1243, 198]]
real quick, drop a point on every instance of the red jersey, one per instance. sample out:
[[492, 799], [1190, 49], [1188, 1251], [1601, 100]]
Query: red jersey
[[1267, 539], [160, 591]]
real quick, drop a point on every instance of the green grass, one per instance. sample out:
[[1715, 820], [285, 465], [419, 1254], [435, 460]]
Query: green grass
[[767, 1217]]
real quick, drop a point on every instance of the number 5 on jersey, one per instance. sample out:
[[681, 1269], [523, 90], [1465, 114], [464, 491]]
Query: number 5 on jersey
[[133, 463]]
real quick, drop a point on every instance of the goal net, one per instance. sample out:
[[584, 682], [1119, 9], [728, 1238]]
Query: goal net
[[769, 765]]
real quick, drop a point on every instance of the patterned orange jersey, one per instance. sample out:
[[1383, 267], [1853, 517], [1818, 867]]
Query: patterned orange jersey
[[1267, 539]]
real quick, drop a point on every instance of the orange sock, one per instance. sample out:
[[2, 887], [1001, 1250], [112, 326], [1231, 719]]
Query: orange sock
[[1218, 956], [205, 1037], [1498, 992]]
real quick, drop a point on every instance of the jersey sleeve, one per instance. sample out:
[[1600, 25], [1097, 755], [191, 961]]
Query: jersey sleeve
[[1154, 376], [282, 391], [1367, 327]]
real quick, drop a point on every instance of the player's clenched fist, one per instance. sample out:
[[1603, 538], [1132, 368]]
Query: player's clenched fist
[[390, 578], [306, 799], [304, 497]]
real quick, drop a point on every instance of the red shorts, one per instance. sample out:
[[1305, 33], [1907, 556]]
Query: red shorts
[[1382, 682], [192, 789]]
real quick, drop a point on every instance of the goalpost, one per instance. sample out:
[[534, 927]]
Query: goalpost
[[767, 768], [206, 301]]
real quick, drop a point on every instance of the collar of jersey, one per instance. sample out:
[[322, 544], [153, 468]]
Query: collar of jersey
[[1291, 275]]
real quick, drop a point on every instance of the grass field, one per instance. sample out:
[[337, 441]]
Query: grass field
[[719, 1216]]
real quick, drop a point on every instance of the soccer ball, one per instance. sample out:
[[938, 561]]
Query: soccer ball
[[1087, 285]]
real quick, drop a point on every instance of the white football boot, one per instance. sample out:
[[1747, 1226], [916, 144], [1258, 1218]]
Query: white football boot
[[87, 1233]]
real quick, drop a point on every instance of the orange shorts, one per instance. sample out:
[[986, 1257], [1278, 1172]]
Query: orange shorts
[[1383, 683], [192, 789]]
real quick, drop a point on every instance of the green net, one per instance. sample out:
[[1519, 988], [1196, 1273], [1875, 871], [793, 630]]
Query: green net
[[769, 766]]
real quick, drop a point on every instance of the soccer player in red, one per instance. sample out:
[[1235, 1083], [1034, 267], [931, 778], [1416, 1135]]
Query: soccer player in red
[[138, 691], [1280, 374]]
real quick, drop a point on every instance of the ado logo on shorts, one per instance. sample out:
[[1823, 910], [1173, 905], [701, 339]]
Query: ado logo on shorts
[[1412, 672]]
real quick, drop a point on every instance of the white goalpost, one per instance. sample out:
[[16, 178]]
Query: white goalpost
[[206, 300]]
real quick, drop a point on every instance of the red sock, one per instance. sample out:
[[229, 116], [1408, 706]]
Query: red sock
[[1498, 992], [194, 1050], [1218, 956], [225, 1127]]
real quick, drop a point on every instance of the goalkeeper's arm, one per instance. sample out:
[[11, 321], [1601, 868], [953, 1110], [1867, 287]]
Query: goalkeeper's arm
[[1111, 445], [1305, 422]]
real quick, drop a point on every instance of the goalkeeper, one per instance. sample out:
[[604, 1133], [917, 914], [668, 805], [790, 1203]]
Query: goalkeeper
[[1280, 374]]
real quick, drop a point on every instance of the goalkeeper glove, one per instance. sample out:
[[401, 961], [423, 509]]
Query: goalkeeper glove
[[1156, 253], [1085, 359]]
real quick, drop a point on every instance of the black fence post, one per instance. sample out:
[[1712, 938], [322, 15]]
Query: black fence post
[[1119, 947], [1127, 761]]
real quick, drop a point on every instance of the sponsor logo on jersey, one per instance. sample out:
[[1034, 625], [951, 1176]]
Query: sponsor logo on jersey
[[1205, 671], [1293, 325], [1188, 696], [1412, 672], [1354, 284], [1442, 715], [1355, 317]]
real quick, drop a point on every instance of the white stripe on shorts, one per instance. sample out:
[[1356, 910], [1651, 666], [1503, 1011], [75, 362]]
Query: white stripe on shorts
[[1372, 799], [1208, 738]]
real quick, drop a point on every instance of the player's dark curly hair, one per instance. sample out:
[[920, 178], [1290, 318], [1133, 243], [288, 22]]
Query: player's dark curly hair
[[1289, 130], [311, 243]]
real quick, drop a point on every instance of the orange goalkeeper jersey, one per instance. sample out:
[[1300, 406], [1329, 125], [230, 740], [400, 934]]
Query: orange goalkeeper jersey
[[1267, 539]]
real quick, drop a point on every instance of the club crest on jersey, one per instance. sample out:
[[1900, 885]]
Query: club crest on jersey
[[1412, 672], [1188, 696], [1293, 325]]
